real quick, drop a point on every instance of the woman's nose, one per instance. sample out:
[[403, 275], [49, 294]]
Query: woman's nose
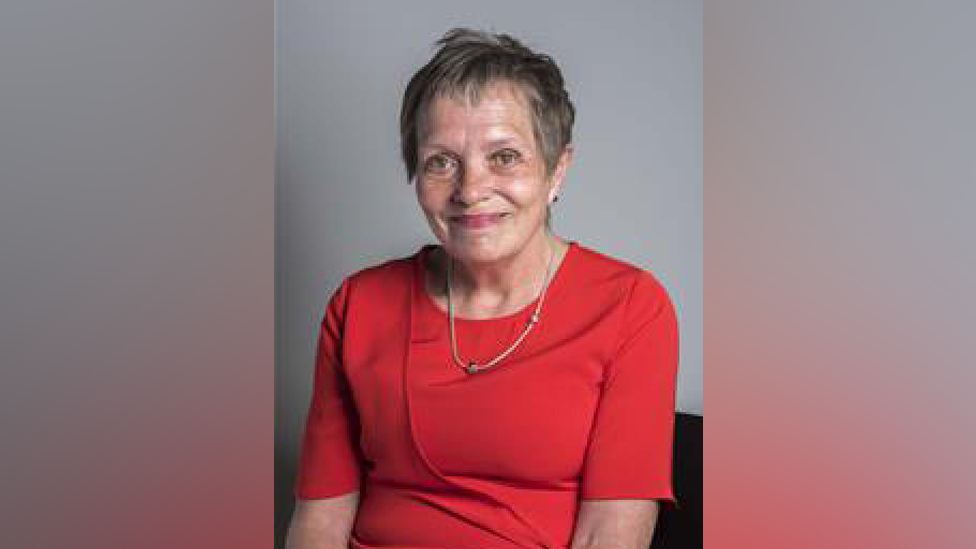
[[473, 185]]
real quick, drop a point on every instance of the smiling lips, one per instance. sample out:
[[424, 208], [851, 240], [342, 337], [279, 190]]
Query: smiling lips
[[477, 221]]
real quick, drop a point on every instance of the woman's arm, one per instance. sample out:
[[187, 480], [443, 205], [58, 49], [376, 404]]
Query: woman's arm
[[323, 523], [615, 524]]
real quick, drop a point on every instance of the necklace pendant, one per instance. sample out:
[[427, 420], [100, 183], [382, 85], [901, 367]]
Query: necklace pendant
[[472, 367]]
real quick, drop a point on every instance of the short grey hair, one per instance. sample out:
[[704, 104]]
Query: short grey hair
[[467, 62]]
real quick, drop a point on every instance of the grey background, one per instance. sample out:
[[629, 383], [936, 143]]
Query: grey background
[[634, 72]]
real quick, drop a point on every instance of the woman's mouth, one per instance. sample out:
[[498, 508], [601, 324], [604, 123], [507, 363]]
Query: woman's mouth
[[477, 221]]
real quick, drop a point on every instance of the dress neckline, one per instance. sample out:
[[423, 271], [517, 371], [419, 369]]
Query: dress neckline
[[420, 285]]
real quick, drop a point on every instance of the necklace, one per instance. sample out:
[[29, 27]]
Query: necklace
[[473, 367]]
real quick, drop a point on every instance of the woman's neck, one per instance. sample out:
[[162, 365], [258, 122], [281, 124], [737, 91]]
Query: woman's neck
[[484, 290]]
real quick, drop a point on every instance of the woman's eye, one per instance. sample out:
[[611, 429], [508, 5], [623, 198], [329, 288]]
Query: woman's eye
[[506, 158], [439, 164]]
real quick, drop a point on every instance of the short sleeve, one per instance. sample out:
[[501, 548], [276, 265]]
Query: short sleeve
[[330, 463], [631, 445]]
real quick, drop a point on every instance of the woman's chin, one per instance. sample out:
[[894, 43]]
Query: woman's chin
[[477, 250]]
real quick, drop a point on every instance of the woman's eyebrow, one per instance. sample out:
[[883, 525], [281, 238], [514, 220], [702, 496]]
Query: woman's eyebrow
[[436, 146], [503, 142]]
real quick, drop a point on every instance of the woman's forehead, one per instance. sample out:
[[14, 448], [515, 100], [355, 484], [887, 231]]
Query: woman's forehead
[[498, 113]]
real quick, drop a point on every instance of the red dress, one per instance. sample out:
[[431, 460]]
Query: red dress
[[584, 408]]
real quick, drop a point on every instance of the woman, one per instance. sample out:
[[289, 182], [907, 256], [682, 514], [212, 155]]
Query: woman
[[506, 388]]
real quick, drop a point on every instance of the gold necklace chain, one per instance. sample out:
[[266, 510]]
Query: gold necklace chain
[[473, 367]]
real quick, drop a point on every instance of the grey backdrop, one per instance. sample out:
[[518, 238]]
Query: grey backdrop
[[634, 72]]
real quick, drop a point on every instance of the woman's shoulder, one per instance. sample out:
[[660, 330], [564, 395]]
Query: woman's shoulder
[[632, 291], [395, 271], [599, 268]]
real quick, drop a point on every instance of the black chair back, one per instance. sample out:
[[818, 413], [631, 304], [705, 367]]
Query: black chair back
[[682, 528]]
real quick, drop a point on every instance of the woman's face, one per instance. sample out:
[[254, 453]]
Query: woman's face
[[481, 180]]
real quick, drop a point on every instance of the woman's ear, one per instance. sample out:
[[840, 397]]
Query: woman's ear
[[559, 174]]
